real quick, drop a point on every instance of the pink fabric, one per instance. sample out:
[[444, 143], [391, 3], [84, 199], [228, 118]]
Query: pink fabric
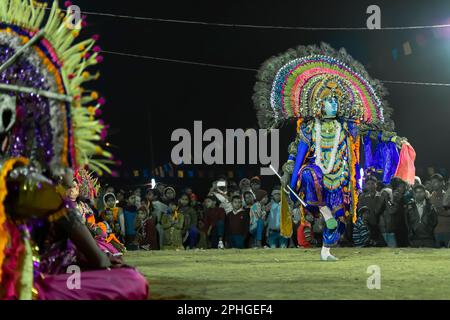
[[11, 264], [116, 284], [105, 246], [406, 170]]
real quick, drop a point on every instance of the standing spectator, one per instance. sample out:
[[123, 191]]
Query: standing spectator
[[238, 223], [214, 222], [249, 199], [190, 230], [372, 200], [158, 210], [255, 184], [244, 186], [388, 218], [400, 199], [172, 223], [274, 238], [220, 191], [129, 214], [169, 195], [257, 218], [422, 219], [442, 231]]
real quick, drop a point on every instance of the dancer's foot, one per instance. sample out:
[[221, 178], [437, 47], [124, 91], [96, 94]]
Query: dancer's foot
[[329, 257], [325, 255]]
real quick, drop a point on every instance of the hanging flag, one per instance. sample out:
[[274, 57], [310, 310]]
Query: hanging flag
[[230, 174], [166, 168], [190, 173], [395, 54], [407, 48], [136, 173], [155, 172], [200, 173], [180, 174], [145, 173], [285, 216], [240, 174]]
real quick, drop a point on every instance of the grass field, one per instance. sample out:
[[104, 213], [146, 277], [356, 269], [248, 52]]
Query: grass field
[[294, 273]]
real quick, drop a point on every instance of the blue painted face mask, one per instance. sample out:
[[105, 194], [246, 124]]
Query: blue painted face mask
[[330, 107]]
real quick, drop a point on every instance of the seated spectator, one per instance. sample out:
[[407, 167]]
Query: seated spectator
[[172, 223], [422, 219], [257, 218], [238, 223], [214, 222], [274, 238]]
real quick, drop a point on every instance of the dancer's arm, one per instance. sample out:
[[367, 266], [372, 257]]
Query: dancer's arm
[[79, 234]]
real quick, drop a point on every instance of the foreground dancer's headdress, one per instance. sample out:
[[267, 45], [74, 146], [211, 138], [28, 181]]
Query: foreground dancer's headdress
[[45, 113], [299, 83]]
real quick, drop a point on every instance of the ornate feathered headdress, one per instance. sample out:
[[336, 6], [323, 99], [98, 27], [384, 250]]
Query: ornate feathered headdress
[[87, 183], [46, 113], [295, 84]]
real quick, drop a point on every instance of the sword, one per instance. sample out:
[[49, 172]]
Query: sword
[[289, 188], [326, 212]]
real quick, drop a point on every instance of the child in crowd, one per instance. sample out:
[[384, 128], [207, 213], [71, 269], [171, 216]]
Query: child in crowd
[[146, 234], [238, 223], [361, 231], [274, 238], [190, 231], [115, 214], [129, 213], [249, 199], [172, 223], [257, 217], [214, 222]]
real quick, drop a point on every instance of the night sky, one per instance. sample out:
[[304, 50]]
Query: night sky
[[147, 98]]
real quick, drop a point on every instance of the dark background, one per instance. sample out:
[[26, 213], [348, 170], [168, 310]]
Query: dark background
[[147, 99]]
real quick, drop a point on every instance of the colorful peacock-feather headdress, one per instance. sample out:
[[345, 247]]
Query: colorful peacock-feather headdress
[[295, 84], [42, 72]]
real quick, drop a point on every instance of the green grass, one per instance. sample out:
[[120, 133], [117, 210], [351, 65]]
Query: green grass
[[294, 273]]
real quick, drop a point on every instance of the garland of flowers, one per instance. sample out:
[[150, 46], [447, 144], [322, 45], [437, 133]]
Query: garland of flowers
[[318, 152]]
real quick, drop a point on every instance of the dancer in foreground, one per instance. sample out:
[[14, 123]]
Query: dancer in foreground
[[338, 109], [47, 129]]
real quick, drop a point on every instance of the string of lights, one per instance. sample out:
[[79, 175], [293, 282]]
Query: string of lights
[[253, 26], [248, 69]]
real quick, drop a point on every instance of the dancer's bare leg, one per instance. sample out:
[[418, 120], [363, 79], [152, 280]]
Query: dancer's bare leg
[[331, 223]]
